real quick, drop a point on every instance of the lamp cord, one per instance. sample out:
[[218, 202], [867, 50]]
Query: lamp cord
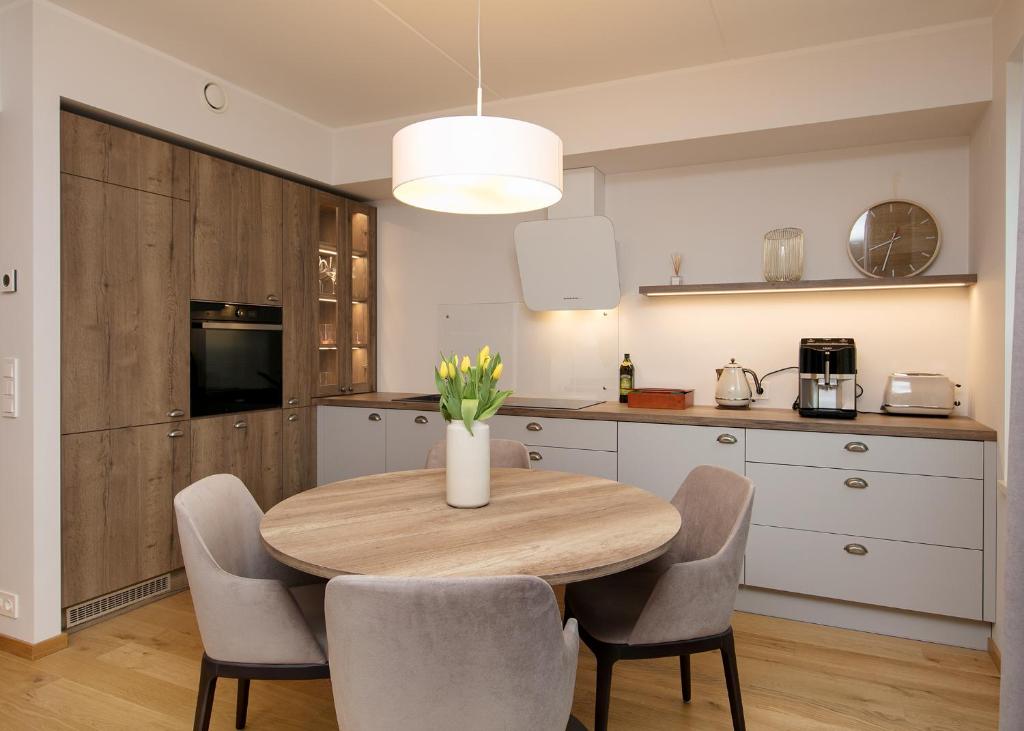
[[479, 67]]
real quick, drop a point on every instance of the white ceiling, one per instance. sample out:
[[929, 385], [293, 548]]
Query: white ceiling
[[344, 62]]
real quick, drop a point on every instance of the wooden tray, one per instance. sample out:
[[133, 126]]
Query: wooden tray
[[661, 398]]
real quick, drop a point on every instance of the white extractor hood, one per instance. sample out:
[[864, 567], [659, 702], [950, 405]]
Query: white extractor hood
[[569, 262]]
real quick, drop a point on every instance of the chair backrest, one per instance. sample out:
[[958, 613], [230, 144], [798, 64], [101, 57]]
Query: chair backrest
[[243, 607], [504, 453], [711, 501], [449, 653]]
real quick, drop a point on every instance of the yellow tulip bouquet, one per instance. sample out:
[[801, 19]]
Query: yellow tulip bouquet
[[470, 392]]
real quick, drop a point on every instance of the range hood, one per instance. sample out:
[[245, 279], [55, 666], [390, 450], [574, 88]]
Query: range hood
[[570, 262]]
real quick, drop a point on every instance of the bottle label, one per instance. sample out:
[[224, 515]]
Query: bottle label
[[625, 384]]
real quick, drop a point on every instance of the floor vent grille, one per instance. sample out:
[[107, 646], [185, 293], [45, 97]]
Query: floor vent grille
[[108, 603]]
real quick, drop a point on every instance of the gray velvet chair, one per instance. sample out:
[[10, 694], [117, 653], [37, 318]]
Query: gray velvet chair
[[259, 619], [504, 453], [681, 603], [488, 654]]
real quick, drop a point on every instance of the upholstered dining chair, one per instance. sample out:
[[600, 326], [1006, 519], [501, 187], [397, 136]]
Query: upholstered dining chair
[[681, 603], [259, 619], [504, 453], [421, 654]]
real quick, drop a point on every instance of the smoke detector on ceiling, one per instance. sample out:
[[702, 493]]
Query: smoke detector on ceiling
[[215, 97]]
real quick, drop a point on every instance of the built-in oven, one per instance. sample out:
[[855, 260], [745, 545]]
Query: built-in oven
[[236, 358]]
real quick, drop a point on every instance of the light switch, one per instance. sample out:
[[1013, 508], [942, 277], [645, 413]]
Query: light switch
[[9, 387]]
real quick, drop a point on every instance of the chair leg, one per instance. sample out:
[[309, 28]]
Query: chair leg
[[204, 700], [684, 676], [242, 704], [603, 698], [732, 682]]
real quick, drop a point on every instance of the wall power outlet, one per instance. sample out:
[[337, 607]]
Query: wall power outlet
[[8, 605]]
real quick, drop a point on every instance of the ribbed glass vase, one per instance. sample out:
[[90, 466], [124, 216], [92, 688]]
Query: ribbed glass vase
[[783, 255]]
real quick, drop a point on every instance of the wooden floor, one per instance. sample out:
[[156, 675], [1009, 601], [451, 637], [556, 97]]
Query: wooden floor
[[139, 671]]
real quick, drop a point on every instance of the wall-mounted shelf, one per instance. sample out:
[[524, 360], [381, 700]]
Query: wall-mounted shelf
[[811, 285]]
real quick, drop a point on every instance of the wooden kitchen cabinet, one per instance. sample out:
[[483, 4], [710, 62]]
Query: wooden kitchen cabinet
[[247, 445], [658, 457], [299, 271], [109, 154], [236, 233], [351, 442], [117, 516], [361, 298], [124, 306], [298, 429]]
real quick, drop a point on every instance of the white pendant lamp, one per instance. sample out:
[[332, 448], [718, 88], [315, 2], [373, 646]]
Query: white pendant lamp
[[476, 164]]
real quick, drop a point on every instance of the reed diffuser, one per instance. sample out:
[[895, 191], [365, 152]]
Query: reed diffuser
[[677, 265]]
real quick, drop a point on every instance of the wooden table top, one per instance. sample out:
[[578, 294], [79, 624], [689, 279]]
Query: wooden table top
[[559, 526]]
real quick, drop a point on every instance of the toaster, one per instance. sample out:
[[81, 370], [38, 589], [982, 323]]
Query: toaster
[[921, 394]]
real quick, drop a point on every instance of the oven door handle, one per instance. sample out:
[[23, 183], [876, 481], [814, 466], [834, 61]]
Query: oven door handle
[[239, 326]]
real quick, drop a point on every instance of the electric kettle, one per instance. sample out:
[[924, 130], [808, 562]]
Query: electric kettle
[[733, 388]]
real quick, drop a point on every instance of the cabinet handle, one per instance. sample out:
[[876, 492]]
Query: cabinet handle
[[534, 426], [727, 439], [293, 401], [857, 483], [241, 425], [858, 447], [293, 417], [273, 298], [374, 417], [421, 420], [536, 456], [175, 433], [175, 413], [855, 549]]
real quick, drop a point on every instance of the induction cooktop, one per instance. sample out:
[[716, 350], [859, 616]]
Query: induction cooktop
[[517, 402]]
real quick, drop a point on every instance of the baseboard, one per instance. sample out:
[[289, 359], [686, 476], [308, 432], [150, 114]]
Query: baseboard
[[996, 655], [29, 651], [866, 618]]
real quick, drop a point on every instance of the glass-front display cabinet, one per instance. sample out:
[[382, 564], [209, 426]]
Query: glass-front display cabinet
[[346, 296]]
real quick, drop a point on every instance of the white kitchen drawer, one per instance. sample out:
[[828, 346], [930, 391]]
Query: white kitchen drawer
[[945, 511], [411, 434], [658, 457], [933, 579], [548, 432], [581, 461], [908, 455]]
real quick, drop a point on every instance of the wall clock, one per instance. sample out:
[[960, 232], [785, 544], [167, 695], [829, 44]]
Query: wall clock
[[894, 239]]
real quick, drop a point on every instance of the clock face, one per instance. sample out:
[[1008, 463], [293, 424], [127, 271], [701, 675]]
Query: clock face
[[894, 239]]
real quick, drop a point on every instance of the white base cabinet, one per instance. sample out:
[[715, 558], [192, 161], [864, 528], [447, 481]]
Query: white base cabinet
[[350, 443], [581, 461], [658, 457], [411, 434]]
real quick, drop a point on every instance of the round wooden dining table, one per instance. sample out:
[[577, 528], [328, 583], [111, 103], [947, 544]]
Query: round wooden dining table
[[559, 526]]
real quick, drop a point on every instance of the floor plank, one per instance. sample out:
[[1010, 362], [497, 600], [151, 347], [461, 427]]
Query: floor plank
[[140, 670]]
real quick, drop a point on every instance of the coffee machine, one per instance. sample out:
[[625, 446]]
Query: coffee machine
[[828, 378]]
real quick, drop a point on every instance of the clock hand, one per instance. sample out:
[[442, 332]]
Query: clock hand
[[887, 252], [889, 241]]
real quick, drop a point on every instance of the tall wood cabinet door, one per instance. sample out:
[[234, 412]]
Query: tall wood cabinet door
[[117, 515], [299, 271], [299, 451], [124, 307], [236, 233], [247, 445]]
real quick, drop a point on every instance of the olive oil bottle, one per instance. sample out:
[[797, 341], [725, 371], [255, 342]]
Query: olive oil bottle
[[627, 379]]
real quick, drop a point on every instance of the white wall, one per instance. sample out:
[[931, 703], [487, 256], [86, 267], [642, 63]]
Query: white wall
[[716, 215]]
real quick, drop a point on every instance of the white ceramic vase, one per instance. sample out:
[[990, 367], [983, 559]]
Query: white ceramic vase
[[468, 472]]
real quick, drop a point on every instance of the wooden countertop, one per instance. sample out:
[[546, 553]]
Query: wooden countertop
[[953, 427]]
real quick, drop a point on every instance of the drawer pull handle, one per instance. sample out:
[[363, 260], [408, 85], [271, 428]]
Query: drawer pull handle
[[534, 426], [858, 447], [726, 439], [374, 417], [293, 401], [175, 433], [855, 549], [241, 425], [293, 417], [421, 420], [857, 483], [272, 298], [536, 456], [175, 413]]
